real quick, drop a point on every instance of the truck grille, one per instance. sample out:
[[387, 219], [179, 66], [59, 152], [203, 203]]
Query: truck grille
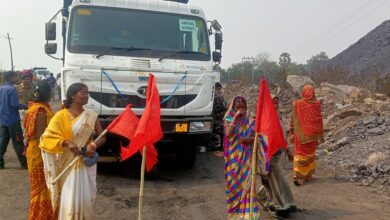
[[116, 101], [144, 64]]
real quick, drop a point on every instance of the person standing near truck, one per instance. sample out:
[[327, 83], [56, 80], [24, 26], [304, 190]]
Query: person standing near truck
[[219, 109], [238, 144], [24, 89], [58, 85], [52, 82], [25, 93], [37, 118], [70, 130], [10, 120]]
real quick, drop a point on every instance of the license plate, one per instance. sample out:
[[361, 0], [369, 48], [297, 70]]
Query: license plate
[[181, 127]]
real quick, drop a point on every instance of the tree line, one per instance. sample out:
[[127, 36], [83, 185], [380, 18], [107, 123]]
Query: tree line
[[316, 68]]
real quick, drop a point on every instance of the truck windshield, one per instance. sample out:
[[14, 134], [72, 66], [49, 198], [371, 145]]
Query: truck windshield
[[126, 32]]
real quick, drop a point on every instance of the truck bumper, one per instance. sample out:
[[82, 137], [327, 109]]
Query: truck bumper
[[178, 133]]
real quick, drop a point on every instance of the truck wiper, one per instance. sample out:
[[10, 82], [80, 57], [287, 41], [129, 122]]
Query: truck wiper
[[174, 53], [122, 50]]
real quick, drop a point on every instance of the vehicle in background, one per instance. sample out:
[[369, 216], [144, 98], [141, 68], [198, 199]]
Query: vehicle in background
[[112, 46], [40, 73]]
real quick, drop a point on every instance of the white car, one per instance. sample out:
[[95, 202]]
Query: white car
[[41, 74]]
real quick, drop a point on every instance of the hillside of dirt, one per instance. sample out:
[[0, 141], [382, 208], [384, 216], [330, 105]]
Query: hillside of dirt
[[369, 54]]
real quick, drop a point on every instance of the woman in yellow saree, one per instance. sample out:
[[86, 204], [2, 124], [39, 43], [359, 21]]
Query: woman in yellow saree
[[69, 130], [35, 122]]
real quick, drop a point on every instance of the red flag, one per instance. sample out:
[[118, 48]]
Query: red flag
[[149, 128], [268, 122], [151, 155], [125, 125]]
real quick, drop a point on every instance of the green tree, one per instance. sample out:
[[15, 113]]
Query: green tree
[[285, 60], [239, 71], [317, 62]]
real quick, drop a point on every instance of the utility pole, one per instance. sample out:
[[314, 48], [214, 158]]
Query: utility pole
[[10, 49], [249, 59], [242, 69]]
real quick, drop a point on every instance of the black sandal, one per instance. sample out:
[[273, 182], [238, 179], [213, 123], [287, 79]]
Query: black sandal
[[296, 181]]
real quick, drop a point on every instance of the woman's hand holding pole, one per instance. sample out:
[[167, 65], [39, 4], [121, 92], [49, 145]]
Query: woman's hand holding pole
[[76, 159]]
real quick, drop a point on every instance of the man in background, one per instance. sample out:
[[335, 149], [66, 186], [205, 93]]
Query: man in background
[[10, 120], [58, 85], [24, 89], [219, 109], [25, 93], [52, 82]]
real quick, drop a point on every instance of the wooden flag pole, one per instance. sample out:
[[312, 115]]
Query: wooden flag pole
[[253, 172], [70, 165], [141, 189]]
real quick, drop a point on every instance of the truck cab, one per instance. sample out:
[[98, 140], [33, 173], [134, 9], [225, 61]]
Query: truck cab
[[113, 45]]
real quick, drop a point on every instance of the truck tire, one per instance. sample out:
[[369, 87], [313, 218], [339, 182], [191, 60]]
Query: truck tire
[[186, 156]]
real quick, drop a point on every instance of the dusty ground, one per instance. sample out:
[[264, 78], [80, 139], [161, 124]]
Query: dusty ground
[[194, 194]]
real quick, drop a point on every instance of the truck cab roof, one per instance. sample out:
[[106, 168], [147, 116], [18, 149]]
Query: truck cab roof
[[149, 5]]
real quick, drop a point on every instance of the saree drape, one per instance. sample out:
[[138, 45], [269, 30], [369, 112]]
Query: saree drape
[[307, 127], [74, 194], [238, 169], [40, 202]]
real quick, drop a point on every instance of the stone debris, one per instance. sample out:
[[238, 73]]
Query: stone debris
[[356, 123]]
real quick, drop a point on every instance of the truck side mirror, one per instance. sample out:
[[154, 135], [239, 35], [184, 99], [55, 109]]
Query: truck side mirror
[[50, 31], [215, 24], [217, 56], [218, 41], [51, 48]]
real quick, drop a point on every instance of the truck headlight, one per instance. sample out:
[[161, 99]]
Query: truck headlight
[[197, 126]]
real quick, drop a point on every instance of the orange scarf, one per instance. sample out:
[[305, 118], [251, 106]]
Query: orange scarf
[[307, 118]]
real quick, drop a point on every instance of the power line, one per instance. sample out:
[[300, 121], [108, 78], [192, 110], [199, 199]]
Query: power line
[[346, 27], [336, 25]]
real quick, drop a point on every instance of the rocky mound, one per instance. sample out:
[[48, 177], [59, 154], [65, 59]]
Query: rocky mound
[[357, 125], [370, 54]]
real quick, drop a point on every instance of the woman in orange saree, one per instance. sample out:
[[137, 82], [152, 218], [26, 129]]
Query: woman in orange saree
[[306, 132], [35, 122]]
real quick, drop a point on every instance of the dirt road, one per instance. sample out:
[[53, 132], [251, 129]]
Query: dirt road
[[194, 194]]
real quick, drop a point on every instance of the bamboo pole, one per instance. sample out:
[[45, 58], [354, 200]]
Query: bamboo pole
[[253, 172], [70, 165], [66, 169], [141, 189]]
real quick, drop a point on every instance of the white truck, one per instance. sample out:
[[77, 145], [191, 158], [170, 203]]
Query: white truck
[[113, 45]]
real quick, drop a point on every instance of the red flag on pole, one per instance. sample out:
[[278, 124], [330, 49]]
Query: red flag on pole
[[125, 125], [149, 128], [268, 122]]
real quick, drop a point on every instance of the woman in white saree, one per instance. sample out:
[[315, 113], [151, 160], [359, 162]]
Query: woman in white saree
[[72, 128]]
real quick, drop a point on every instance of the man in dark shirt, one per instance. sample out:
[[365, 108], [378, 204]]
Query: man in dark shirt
[[52, 82], [10, 120], [219, 109]]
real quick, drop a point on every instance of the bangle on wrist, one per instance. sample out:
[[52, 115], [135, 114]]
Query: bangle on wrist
[[93, 146]]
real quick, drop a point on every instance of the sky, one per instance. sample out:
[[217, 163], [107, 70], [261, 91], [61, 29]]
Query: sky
[[300, 27]]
